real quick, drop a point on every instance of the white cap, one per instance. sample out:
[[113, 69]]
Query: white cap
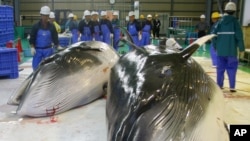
[[149, 16], [52, 15], [86, 13], [171, 43], [131, 13], [94, 13], [71, 15], [103, 13], [45, 10], [202, 16], [115, 13], [230, 6]]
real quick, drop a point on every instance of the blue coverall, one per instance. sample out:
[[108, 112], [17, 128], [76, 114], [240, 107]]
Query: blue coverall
[[116, 22], [133, 29], [106, 29], [212, 49], [73, 28], [96, 30], [146, 32], [42, 39], [85, 29]]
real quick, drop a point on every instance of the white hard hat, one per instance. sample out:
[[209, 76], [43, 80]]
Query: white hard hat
[[94, 13], [52, 15], [86, 13], [149, 16], [230, 6], [131, 13], [103, 13], [71, 15], [202, 16], [45, 10], [115, 13]]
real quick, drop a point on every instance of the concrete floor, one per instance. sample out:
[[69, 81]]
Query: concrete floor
[[88, 123]]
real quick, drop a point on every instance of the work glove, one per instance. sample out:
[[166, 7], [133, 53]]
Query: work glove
[[111, 35], [140, 37], [241, 55], [33, 51], [59, 48]]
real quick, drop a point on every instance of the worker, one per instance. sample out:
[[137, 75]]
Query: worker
[[95, 25], [202, 28], [133, 28], [115, 23], [85, 27], [52, 20], [156, 26], [106, 28], [146, 31], [72, 28], [229, 39], [215, 17], [43, 34]]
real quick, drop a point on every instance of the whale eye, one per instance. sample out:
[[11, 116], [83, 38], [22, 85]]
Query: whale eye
[[166, 69]]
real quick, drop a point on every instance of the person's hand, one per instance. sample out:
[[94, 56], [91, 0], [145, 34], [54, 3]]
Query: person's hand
[[241, 55], [33, 51], [59, 48], [111, 35]]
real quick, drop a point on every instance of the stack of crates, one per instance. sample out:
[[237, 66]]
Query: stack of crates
[[8, 63], [6, 25], [8, 56]]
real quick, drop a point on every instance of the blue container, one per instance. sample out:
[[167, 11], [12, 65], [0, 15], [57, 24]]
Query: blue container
[[2, 12], [64, 41], [9, 62]]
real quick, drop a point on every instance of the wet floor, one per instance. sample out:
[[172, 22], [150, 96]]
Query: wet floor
[[88, 123]]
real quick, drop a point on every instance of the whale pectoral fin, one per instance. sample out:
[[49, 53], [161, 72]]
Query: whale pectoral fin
[[17, 95], [188, 51]]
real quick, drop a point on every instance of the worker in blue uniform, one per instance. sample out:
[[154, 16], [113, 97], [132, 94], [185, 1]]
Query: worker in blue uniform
[[115, 23], [133, 28], [43, 34], [229, 39], [146, 31], [215, 18], [72, 27], [85, 27], [106, 28], [95, 25]]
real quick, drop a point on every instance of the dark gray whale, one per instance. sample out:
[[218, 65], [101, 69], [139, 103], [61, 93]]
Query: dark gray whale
[[70, 78], [164, 96]]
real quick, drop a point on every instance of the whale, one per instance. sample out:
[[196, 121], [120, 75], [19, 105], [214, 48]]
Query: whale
[[164, 95], [70, 78]]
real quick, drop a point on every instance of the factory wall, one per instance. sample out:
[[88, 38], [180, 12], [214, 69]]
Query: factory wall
[[171, 7]]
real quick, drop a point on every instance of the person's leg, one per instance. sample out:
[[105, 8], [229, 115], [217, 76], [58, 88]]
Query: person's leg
[[147, 40], [158, 33], [231, 71], [213, 55], [37, 58], [221, 66], [154, 33]]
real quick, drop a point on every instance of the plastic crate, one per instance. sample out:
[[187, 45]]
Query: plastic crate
[[9, 62], [64, 41]]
